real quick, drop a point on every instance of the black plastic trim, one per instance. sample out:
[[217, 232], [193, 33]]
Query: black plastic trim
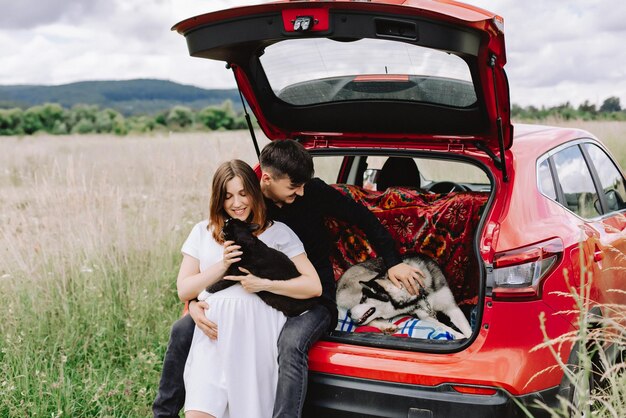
[[331, 396], [217, 40]]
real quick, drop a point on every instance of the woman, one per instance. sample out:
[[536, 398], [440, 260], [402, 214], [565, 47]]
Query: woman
[[236, 374]]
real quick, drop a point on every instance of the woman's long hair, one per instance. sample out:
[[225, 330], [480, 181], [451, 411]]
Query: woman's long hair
[[225, 173]]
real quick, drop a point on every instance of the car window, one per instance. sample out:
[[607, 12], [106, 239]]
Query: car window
[[433, 170], [610, 178], [310, 71], [576, 182], [365, 171], [327, 168], [545, 180]]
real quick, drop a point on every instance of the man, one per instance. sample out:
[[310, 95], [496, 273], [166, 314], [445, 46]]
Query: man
[[301, 202]]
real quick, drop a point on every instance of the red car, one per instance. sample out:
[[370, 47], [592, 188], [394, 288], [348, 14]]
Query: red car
[[404, 105]]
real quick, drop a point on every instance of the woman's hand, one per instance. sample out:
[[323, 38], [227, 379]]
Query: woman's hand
[[250, 282], [231, 253], [196, 311]]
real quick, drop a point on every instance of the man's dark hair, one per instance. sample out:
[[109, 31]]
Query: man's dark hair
[[287, 158]]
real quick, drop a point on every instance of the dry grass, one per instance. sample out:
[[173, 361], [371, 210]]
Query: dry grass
[[69, 197]]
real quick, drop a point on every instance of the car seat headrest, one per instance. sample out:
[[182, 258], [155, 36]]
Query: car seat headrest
[[398, 171]]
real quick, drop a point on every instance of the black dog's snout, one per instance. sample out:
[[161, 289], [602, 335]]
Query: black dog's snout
[[226, 232]]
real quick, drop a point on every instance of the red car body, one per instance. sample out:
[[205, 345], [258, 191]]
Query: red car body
[[532, 221]]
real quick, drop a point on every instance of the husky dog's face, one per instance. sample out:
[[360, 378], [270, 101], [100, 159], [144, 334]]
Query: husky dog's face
[[381, 299]]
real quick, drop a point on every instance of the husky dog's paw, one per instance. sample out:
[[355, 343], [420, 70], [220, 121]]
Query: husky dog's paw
[[384, 326]]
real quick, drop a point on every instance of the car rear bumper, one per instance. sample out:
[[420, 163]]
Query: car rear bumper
[[347, 397]]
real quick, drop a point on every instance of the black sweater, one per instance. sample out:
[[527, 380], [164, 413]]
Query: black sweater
[[306, 217]]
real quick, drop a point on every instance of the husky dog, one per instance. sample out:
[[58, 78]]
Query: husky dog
[[262, 261], [366, 291]]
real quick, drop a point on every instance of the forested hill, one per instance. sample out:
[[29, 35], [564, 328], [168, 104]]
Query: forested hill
[[130, 97]]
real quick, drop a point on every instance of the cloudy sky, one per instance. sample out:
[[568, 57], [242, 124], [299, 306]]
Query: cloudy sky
[[558, 50]]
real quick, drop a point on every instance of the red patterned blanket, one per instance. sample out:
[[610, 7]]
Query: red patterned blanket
[[439, 226]]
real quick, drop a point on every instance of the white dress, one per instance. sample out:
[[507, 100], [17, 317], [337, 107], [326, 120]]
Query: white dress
[[236, 375]]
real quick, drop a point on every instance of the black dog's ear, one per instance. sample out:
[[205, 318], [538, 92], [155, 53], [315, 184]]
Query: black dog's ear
[[253, 227]]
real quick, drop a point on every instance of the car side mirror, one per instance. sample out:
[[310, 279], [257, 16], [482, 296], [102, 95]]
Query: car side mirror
[[597, 206], [614, 200]]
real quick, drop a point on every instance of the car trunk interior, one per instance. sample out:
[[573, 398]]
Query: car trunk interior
[[442, 226]]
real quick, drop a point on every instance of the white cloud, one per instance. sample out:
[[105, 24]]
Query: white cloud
[[27, 14], [563, 50], [558, 51]]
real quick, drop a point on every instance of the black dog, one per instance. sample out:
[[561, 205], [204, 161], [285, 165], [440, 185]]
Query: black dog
[[262, 261]]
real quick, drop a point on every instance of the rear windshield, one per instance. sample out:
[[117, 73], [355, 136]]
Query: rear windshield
[[311, 71]]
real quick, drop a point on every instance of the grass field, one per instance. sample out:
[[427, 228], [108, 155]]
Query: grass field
[[90, 232]]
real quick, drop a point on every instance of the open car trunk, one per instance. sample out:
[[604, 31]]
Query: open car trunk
[[439, 215]]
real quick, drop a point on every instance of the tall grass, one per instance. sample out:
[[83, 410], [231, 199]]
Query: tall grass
[[90, 232], [595, 371]]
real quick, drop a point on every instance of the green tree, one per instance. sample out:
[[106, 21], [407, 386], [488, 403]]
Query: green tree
[[83, 126], [11, 121], [611, 104], [83, 115], [110, 121], [120, 126], [564, 111], [218, 117], [586, 111], [179, 117], [241, 123], [142, 124], [60, 128], [587, 107], [31, 121], [51, 115], [161, 119]]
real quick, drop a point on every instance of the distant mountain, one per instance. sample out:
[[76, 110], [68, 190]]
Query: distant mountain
[[130, 97]]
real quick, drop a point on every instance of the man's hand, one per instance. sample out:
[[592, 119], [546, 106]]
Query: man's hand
[[196, 310], [409, 277], [250, 282]]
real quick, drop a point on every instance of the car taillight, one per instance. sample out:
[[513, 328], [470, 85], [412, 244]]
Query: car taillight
[[475, 390], [518, 273]]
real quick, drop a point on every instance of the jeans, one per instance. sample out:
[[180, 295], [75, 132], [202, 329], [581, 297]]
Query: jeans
[[171, 396], [296, 338]]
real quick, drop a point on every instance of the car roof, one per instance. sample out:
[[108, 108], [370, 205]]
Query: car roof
[[542, 138]]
